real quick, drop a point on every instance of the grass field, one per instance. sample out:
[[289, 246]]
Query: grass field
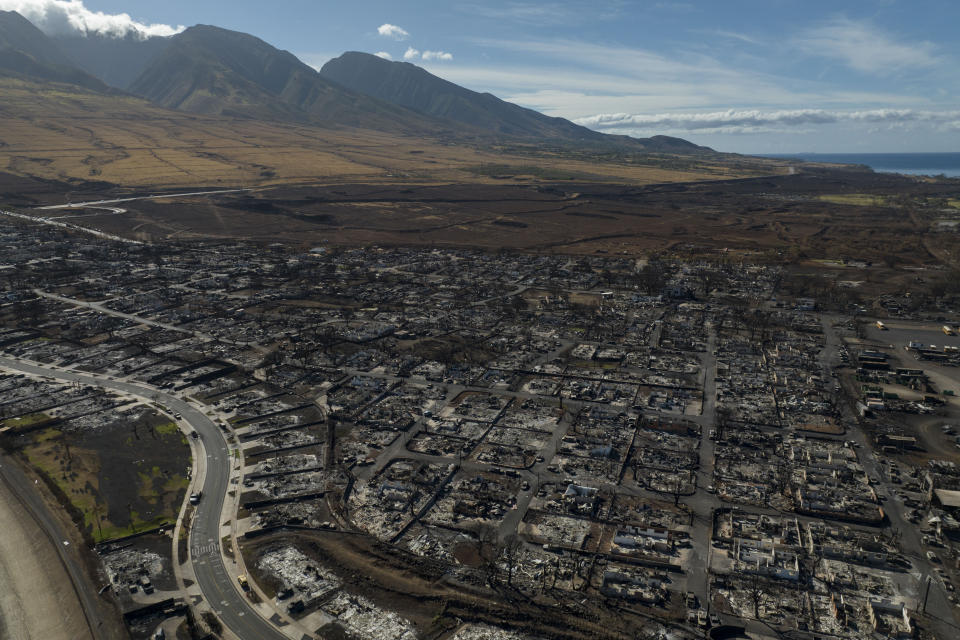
[[118, 484], [24, 421], [64, 133], [857, 199]]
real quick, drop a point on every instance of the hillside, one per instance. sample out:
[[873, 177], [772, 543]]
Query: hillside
[[25, 52], [225, 108], [213, 71], [410, 86], [64, 132], [116, 61], [413, 87], [18, 34]]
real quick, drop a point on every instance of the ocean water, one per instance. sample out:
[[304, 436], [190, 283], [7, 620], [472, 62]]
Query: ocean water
[[927, 164]]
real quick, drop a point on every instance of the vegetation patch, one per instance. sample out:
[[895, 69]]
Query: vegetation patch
[[532, 171], [24, 422], [126, 476], [167, 429], [856, 199]]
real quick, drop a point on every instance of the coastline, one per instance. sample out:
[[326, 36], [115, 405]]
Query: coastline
[[913, 164], [38, 599]]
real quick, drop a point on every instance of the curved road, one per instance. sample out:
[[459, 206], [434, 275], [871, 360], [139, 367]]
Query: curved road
[[218, 588]]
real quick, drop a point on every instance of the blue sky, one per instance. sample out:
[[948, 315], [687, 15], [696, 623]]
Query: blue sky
[[748, 76]]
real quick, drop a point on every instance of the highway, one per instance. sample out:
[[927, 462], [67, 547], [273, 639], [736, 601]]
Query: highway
[[66, 225], [93, 203], [57, 221], [217, 586]]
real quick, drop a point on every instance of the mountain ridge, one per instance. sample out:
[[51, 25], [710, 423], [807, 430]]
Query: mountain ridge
[[413, 87], [209, 70], [213, 71], [26, 52], [117, 61]]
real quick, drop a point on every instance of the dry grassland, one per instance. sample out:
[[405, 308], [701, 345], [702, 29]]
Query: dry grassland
[[63, 133]]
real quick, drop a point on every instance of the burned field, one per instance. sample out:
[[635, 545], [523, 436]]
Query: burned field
[[348, 586], [118, 467], [829, 215], [426, 441]]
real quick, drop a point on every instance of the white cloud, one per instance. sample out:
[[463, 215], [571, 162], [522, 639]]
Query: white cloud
[[754, 120], [437, 55], [621, 79], [864, 47], [428, 56], [648, 90], [531, 13], [733, 35], [633, 65], [384, 55], [392, 31], [71, 16], [543, 13]]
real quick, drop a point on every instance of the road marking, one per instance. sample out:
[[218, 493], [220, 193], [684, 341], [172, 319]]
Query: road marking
[[204, 549]]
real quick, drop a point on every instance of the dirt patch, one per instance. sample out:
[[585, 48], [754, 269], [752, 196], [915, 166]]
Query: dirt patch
[[467, 554], [779, 217]]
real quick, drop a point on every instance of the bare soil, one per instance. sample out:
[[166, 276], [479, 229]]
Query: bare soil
[[780, 218]]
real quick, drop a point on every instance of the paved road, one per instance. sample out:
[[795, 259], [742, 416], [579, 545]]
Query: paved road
[[22, 488], [100, 308], [937, 604], [218, 588], [702, 503], [113, 211], [66, 225], [97, 306], [81, 205]]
